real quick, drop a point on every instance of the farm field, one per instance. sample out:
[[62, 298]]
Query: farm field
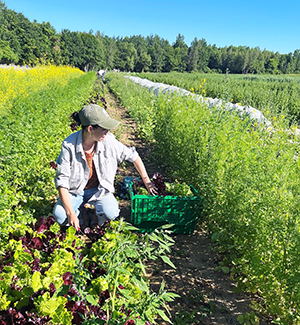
[[274, 95], [249, 179], [247, 176], [49, 275], [206, 292]]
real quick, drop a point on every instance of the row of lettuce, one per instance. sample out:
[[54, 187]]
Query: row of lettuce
[[249, 179], [47, 275]]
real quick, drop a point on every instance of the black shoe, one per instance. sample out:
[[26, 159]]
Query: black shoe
[[94, 219], [85, 222]]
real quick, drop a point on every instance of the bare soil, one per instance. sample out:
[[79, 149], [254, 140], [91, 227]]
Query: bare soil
[[207, 296]]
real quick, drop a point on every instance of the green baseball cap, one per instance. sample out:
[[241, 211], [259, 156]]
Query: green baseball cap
[[94, 114]]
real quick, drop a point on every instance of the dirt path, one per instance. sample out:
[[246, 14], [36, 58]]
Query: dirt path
[[206, 295]]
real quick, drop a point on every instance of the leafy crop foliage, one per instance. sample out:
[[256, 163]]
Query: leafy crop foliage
[[163, 188], [21, 83], [276, 96], [32, 123], [49, 276], [249, 180]]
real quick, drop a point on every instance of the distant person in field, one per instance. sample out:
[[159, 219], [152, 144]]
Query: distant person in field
[[101, 74], [87, 165]]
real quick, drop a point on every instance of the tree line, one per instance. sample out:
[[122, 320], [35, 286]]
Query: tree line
[[24, 42]]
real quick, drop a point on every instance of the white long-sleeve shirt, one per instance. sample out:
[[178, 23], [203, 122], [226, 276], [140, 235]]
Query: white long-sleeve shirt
[[73, 170]]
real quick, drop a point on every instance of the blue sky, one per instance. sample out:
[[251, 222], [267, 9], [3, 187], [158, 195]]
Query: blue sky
[[271, 25]]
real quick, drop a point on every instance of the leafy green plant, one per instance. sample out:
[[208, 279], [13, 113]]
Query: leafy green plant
[[122, 254], [184, 318], [275, 96], [248, 177], [139, 105], [248, 319], [30, 138], [54, 277]]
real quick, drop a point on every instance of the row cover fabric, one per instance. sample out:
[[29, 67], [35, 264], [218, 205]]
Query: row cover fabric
[[157, 87]]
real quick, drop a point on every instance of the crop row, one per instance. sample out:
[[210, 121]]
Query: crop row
[[249, 180], [274, 96], [17, 82], [30, 131], [49, 276]]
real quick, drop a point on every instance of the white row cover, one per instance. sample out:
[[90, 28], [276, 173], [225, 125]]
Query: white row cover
[[16, 67], [157, 87]]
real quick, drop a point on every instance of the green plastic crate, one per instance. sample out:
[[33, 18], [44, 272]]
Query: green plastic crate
[[151, 212]]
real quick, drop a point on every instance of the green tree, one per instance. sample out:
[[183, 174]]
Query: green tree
[[27, 40], [92, 54], [171, 62], [256, 62], [127, 55], [101, 44], [8, 23], [272, 63], [22, 41], [143, 60], [7, 56], [157, 53], [52, 41], [181, 53], [286, 63], [193, 55], [110, 52], [72, 47], [239, 60], [296, 58], [199, 54], [215, 59]]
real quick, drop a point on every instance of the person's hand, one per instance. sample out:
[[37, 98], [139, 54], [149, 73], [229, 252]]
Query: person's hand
[[74, 221], [151, 188]]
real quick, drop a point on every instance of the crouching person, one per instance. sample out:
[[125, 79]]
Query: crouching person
[[87, 165]]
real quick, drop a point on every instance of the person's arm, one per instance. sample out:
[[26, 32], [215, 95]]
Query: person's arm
[[140, 167], [66, 201]]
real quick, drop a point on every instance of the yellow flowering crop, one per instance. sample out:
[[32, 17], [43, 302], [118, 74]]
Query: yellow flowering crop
[[20, 82], [200, 86]]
